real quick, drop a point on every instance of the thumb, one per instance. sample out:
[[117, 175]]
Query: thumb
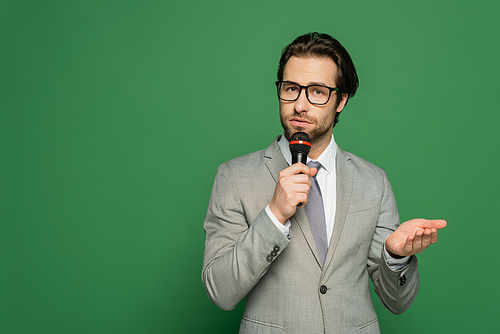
[[313, 171]]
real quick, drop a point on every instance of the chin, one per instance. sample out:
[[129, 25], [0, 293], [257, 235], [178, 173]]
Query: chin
[[289, 131]]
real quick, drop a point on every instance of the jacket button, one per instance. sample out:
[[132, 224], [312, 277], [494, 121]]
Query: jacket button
[[402, 280], [273, 253], [269, 258], [276, 248], [323, 289]]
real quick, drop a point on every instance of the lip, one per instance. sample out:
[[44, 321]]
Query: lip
[[300, 122]]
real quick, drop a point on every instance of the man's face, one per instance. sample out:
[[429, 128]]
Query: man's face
[[301, 115]]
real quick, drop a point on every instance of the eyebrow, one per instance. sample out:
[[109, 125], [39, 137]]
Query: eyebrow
[[318, 83]]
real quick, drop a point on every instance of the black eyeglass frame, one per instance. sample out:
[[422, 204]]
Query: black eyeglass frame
[[278, 83]]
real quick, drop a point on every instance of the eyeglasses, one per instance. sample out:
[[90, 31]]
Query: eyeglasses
[[316, 94]]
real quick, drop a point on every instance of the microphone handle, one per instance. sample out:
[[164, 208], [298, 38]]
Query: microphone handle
[[299, 157]]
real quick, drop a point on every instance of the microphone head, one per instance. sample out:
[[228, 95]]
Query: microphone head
[[300, 143]]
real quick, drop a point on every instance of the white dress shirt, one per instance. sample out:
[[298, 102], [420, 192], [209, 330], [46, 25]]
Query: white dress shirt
[[327, 180]]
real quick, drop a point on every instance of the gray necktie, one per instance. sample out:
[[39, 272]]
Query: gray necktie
[[315, 212]]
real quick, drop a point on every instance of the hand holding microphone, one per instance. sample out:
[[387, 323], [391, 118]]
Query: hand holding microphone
[[292, 188]]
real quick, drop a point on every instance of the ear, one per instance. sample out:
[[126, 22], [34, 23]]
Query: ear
[[342, 103]]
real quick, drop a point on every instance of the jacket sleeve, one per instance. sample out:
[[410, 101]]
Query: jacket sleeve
[[237, 252], [396, 289]]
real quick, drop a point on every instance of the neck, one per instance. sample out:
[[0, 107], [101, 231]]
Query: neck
[[319, 145]]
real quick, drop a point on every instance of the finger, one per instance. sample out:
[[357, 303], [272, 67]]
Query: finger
[[436, 223], [426, 238], [294, 169], [300, 179], [417, 242], [301, 188], [304, 198], [434, 236], [294, 183], [408, 246], [299, 168]]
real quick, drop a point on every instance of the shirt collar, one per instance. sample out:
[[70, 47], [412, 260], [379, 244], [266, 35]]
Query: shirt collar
[[327, 158]]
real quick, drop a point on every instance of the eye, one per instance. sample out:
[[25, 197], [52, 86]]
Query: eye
[[318, 91]]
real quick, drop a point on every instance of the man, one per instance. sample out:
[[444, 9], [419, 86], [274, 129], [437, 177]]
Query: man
[[262, 239]]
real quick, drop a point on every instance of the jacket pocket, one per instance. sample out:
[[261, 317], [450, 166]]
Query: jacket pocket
[[371, 327], [256, 326], [364, 205]]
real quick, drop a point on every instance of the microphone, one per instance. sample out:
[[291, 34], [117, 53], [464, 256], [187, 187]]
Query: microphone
[[300, 145]]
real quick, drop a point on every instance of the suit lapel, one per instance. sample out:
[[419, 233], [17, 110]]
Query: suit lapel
[[275, 164], [275, 161], [345, 181]]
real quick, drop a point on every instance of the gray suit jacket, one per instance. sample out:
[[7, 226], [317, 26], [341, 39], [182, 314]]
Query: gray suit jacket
[[286, 289]]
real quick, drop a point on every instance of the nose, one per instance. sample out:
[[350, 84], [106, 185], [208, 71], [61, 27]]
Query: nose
[[302, 104]]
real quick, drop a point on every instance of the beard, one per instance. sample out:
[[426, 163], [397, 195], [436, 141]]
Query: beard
[[322, 130]]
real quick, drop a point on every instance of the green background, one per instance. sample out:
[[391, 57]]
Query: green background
[[116, 114]]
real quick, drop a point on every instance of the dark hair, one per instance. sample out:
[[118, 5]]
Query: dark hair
[[323, 45]]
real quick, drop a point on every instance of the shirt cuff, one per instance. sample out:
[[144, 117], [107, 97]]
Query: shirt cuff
[[285, 229], [395, 264]]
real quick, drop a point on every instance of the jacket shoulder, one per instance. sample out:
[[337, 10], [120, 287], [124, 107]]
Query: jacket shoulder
[[249, 162], [360, 163]]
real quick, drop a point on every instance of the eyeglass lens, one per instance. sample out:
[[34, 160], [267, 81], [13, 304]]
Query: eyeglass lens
[[315, 94]]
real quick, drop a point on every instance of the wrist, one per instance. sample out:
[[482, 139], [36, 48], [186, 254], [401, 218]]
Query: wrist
[[394, 256], [276, 215], [391, 253]]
